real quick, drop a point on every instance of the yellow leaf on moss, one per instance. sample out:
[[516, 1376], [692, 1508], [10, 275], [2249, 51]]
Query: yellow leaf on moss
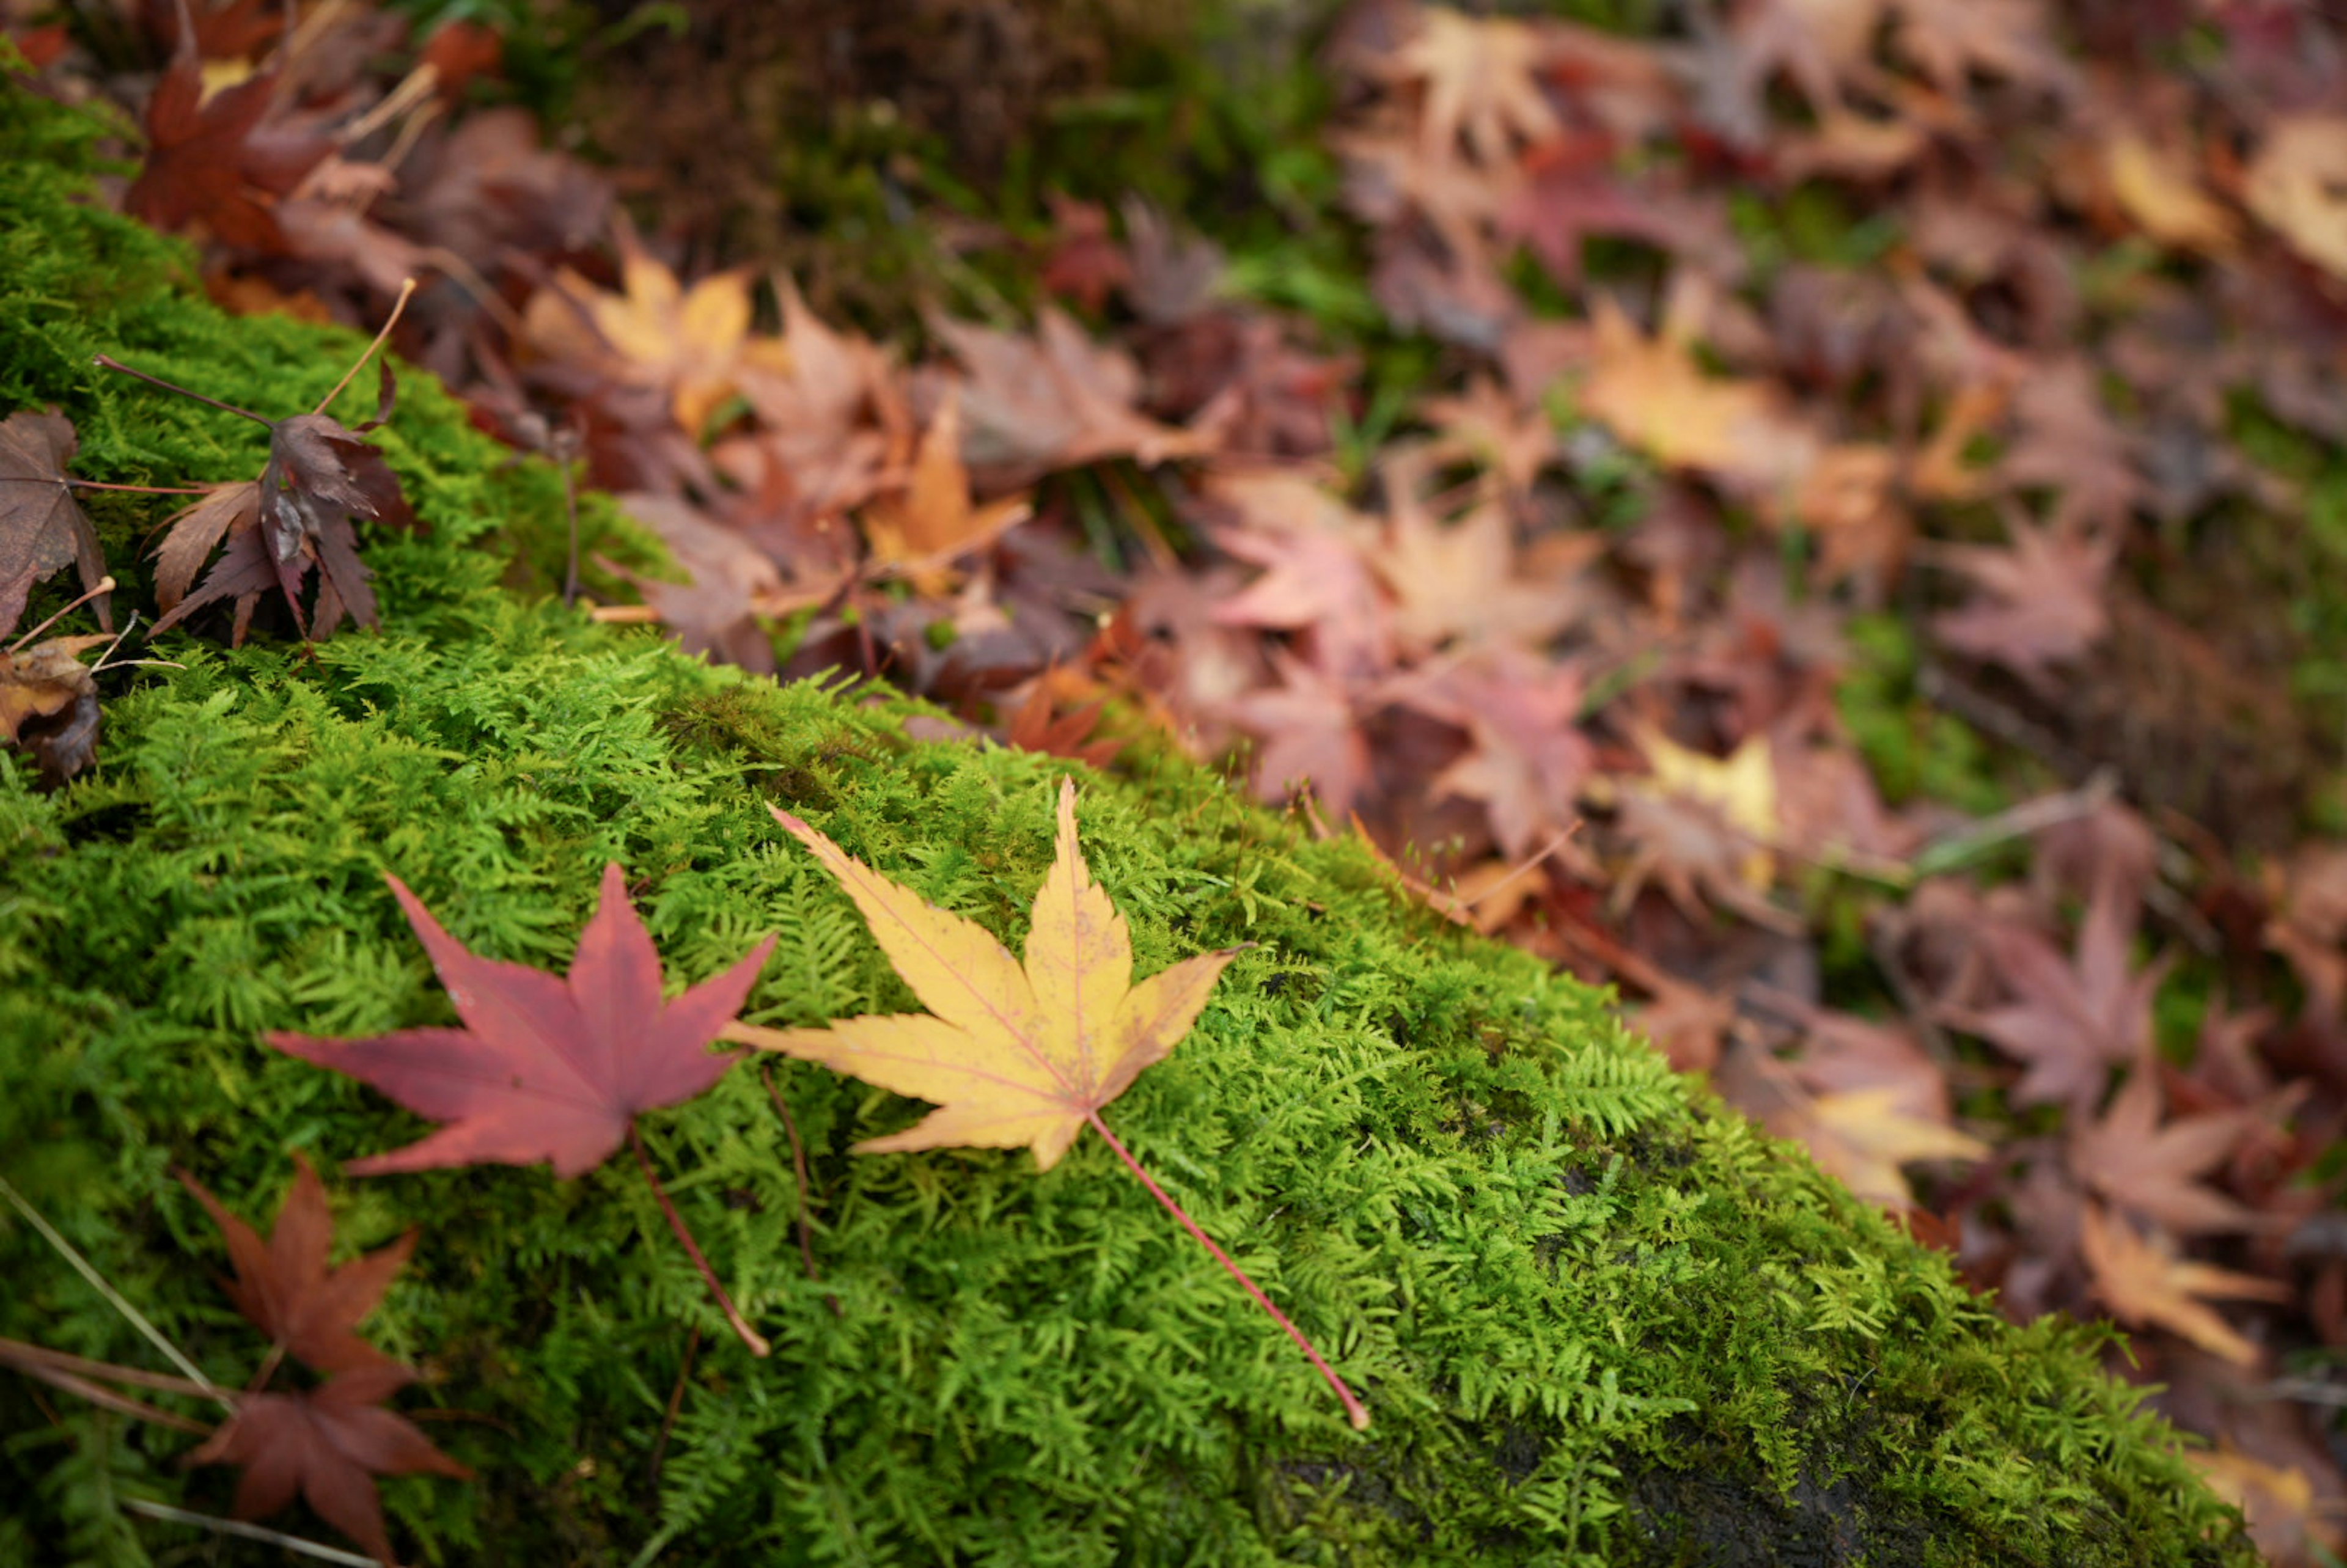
[[1011, 1053]]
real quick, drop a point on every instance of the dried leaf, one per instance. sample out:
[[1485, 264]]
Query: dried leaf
[[49, 705], [42, 527]]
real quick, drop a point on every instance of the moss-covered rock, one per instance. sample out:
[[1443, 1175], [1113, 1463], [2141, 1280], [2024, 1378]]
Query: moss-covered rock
[[1597, 1320]]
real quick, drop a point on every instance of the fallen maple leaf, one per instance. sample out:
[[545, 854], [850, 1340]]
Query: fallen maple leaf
[[549, 1069], [1481, 76], [2043, 602], [1016, 1054], [283, 1286], [2071, 1023], [2144, 1281], [204, 164], [42, 527], [692, 342], [299, 515], [327, 1444], [2296, 184], [2144, 1167], [933, 519]]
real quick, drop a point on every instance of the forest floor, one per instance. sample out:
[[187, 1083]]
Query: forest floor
[[1827, 515]]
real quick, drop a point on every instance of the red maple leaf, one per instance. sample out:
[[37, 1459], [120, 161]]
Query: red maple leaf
[[283, 1286], [328, 1444], [549, 1069], [545, 1069]]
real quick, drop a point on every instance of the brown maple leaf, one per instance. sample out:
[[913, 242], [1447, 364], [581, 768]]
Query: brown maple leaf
[[1308, 734], [2043, 602], [203, 165], [2147, 1167], [2072, 1022], [284, 1287], [548, 1069], [297, 518], [1055, 400], [1527, 758], [327, 1445], [1481, 77], [42, 527]]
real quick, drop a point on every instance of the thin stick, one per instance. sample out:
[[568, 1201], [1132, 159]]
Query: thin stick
[[238, 1527], [675, 1402], [114, 1298], [104, 586], [406, 287], [107, 361], [750, 1336], [102, 485], [107, 1398], [18, 1352], [798, 1163], [570, 514], [1354, 1411]]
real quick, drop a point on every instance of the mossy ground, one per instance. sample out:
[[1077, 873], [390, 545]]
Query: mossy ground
[[1596, 1320]]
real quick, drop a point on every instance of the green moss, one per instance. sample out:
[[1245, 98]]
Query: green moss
[[1597, 1320]]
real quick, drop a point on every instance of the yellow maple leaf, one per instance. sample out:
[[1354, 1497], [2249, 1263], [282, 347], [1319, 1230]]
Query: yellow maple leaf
[[1741, 785], [1011, 1054], [1865, 1135], [692, 341], [1017, 1054]]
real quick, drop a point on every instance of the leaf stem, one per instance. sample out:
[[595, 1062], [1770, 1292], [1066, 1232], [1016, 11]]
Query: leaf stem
[[109, 362], [749, 1336], [43, 1369], [106, 584], [406, 287], [1354, 1411], [806, 1189]]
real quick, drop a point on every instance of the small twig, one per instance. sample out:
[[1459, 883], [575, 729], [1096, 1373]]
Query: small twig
[[238, 1527], [675, 1402], [104, 1397], [104, 586], [107, 361], [115, 1298], [749, 1336], [570, 516], [1354, 1410], [407, 288], [18, 1352], [806, 1188], [2016, 822], [102, 485]]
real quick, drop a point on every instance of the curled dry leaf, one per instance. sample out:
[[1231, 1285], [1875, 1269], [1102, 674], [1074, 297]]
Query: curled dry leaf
[[49, 704], [42, 527]]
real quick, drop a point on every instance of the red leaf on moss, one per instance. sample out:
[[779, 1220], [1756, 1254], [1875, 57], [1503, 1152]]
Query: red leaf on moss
[[284, 1287], [327, 1444], [546, 1067], [201, 165]]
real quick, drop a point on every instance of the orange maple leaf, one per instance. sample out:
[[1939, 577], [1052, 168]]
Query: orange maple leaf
[[2144, 1281], [1015, 1055]]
